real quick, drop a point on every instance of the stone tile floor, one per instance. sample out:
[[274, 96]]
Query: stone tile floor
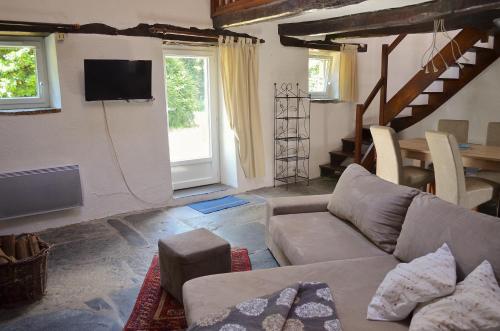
[[96, 268]]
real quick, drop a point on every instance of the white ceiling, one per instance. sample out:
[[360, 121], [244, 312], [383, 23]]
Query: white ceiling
[[366, 6]]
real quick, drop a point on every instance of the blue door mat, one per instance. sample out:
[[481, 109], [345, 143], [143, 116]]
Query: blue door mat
[[210, 206]]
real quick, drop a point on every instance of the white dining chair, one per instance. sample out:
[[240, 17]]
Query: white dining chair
[[451, 183], [390, 164], [458, 128]]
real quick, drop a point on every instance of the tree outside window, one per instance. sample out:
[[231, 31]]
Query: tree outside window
[[185, 81], [18, 72], [323, 75]]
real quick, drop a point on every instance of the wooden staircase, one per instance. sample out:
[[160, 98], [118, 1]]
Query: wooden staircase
[[360, 148], [340, 159]]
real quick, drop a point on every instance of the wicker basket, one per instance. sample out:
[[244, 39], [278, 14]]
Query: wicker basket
[[24, 281]]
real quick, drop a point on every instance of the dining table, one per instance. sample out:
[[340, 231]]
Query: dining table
[[473, 155]]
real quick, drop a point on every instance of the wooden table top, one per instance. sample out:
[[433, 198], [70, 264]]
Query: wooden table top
[[481, 156]]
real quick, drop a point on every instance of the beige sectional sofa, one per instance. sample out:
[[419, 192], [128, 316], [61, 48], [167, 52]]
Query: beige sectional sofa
[[350, 240]]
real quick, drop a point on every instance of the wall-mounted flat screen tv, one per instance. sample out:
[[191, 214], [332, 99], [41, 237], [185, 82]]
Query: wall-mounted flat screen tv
[[117, 80]]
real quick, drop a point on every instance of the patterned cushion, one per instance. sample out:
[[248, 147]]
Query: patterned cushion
[[425, 278], [475, 305]]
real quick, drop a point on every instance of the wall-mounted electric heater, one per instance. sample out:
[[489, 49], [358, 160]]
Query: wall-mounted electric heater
[[39, 191]]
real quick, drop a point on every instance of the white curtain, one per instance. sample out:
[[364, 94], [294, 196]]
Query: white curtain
[[239, 69], [348, 87]]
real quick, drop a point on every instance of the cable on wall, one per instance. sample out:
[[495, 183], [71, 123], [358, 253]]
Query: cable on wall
[[117, 162]]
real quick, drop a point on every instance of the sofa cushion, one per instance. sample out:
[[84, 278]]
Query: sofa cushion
[[318, 237], [353, 283], [473, 306], [297, 205], [403, 288], [471, 236], [375, 206]]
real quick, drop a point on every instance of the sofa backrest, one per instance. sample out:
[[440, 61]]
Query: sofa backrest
[[373, 205], [472, 237]]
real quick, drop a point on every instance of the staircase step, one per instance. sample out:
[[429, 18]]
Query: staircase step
[[482, 52], [337, 157], [417, 109], [400, 123], [480, 49], [464, 64], [328, 170], [445, 79], [348, 144]]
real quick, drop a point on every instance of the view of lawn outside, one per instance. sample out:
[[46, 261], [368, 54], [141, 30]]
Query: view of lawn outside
[[188, 115], [18, 72]]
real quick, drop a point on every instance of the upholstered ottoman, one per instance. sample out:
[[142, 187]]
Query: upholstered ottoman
[[190, 255]]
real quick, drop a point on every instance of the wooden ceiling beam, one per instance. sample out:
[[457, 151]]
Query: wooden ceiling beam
[[247, 11], [161, 31], [410, 19], [317, 44]]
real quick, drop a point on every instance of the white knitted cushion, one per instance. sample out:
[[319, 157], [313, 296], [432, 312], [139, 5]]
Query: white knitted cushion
[[423, 279], [475, 305]]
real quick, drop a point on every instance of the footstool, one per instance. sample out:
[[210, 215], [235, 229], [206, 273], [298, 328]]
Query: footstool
[[190, 255]]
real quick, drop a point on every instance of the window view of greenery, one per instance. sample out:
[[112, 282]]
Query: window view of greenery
[[188, 113], [317, 75], [18, 74], [185, 90]]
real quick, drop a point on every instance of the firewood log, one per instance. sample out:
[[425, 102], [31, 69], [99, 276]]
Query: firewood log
[[22, 250], [9, 245], [33, 245]]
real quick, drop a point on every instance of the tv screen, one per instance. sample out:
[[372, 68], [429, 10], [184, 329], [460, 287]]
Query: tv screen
[[117, 80]]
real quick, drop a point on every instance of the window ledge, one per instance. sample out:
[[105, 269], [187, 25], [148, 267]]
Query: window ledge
[[30, 111], [319, 100]]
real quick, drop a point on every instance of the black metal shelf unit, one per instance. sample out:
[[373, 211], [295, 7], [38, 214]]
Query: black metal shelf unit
[[292, 124]]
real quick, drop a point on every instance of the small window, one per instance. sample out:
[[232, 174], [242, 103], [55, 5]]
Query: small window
[[323, 75], [23, 74]]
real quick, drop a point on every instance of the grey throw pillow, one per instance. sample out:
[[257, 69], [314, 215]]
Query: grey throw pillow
[[375, 206]]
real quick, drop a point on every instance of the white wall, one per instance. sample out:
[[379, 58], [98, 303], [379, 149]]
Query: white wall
[[77, 134], [117, 13]]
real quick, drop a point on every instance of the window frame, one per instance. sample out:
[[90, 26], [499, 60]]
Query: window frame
[[43, 88]]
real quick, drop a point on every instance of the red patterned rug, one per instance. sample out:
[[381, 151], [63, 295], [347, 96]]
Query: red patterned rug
[[156, 310]]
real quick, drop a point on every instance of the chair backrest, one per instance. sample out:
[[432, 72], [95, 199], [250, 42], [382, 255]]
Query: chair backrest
[[458, 128], [448, 167], [493, 135], [389, 160]]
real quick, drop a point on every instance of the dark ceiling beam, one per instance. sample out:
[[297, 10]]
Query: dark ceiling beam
[[410, 19], [269, 10], [317, 44], [162, 31], [482, 21]]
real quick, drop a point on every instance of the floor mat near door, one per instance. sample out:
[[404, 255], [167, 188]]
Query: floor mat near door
[[210, 206]]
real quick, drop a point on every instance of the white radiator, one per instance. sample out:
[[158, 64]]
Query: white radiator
[[39, 191]]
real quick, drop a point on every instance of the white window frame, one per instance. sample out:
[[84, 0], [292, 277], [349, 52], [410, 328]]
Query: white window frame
[[213, 160], [43, 98]]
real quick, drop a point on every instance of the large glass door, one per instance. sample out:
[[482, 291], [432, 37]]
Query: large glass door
[[191, 82]]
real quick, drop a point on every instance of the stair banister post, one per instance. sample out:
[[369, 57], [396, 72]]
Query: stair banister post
[[383, 89], [358, 137]]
